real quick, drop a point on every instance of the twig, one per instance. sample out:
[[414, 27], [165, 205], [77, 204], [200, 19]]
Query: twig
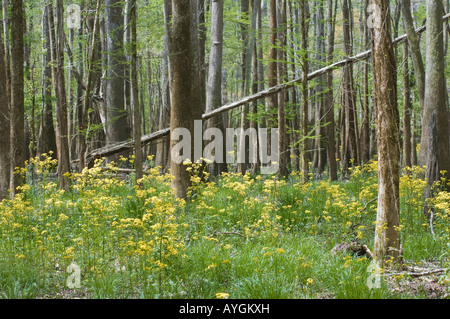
[[367, 204]]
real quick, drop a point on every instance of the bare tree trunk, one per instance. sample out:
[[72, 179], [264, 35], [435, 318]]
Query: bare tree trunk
[[4, 129], [60, 92], [163, 146], [272, 74], [407, 106], [17, 94], [435, 126], [350, 129], [117, 128], [418, 65], [320, 94], [305, 67], [387, 237], [135, 94], [365, 123], [331, 142], [214, 87], [182, 115], [47, 138], [84, 111], [283, 149]]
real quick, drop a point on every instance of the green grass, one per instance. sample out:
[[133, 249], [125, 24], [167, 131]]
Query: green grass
[[245, 236]]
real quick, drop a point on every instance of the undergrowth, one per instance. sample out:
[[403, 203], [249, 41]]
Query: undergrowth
[[237, 236]]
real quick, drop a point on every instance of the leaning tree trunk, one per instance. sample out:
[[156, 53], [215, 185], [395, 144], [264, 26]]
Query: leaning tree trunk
[[387, 237]]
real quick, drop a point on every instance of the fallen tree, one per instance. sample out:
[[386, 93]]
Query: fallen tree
[[146, 139]]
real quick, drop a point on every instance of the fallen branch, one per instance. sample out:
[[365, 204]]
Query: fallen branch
[[425, 273]]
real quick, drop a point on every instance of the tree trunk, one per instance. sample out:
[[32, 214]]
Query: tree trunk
[[272, 73], [4, 129], [117, 128], [320, 88], [57, 49], [387, 239], [305, 67], [182, 115], [214, 87], [135, 94], [283, 149], [350, 151], [435, 126], [331, 141], [407, 106], [418, 65], [17, 94], [47, 138], [365, 123]]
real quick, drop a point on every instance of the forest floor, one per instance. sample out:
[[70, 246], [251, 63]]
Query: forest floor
[[237, 236]]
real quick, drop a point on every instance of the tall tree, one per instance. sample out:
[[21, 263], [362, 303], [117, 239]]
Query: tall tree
[[435, 123], [407, 106], [57, 53], [17, 93], [135, 93], [319, 159], [182, 116], [350, 151], [117, 129], [214, 86], [330, 140], [304, 25], [365, 118], [387, 237], [4, 129], [283, 149], [272, 70], [47, 138], [83, 112]]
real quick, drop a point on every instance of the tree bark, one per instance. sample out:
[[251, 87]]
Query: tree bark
[[435, 124], [407, 106], [117, 128], [283, 97], [47, 138], [350, 152], [214, 86], [4, 129], [331, 142], [135, 95], [305, 67], [60, 93], [17, 94], [182, 115], [387, 237]]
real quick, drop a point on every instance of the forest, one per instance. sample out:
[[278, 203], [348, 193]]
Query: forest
[[224, 149]]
